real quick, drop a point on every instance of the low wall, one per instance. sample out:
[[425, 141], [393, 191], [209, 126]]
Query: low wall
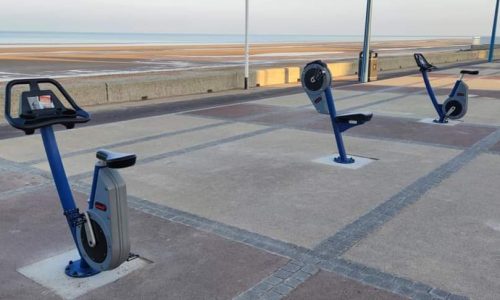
[[274, 76], [407, 62], [136, 87]]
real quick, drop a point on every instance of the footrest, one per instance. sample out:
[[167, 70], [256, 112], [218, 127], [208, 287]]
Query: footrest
[[116, 160], [469, 72], [354, 118]]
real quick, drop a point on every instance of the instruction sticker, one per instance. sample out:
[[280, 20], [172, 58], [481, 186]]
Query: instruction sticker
[[41, 102], [46, 101]]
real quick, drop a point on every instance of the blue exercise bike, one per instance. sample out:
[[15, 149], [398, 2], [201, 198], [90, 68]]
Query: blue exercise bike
[[101, 232], [316, 80], [453, 108]]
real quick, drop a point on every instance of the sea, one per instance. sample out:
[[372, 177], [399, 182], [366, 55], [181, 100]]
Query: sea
[[41, 38]]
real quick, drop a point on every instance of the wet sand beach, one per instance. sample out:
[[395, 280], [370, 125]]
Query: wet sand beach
[[86, 60]]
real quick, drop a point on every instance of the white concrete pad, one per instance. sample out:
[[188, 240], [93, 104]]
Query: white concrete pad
[[431, 121], [358, 163], [50, 274]]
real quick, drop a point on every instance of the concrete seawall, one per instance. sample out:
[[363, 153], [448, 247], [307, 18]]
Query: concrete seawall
[[136, 87]]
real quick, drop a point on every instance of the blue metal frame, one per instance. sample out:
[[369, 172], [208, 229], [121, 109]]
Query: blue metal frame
[[94, 186], [455, 88], [432, 95], [337, 130], [79, 268], [491, 54]]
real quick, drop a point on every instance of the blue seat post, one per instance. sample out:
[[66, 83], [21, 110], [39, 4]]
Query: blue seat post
[[343, 159], [455, 88], [93, 189], [61, 182], [432, 95]]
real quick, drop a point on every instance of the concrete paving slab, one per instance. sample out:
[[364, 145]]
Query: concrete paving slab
[[380, 126], [301, 99], [409, 80], [281, 115], [187, 264], [84, 163], [448, 239], [484, 84], [284, 117], [12, 180], [236, 111], [413, 83], [365, 101], [496, 148], [414, 106], [462, 135], [30, 148], [482, 111], [268, 184], [327, 286], [292, 101], [33, 228]]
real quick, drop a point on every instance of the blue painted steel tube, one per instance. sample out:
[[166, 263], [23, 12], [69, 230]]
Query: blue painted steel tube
[[455, 89], [60, 179], [491, 54], [366, 43], [336, 130], [94, 186], [57, 168], [434, 100]]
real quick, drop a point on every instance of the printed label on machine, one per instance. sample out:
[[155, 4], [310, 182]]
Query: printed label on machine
[[42, 102]]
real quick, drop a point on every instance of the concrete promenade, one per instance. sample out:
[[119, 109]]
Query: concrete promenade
[[227, 203]]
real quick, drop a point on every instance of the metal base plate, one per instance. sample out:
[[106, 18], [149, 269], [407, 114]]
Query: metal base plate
[[431, 121], [74, 269], [50, 274], [358, 163]]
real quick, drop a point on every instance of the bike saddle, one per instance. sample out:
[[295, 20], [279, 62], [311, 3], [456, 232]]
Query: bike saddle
[[469, 72], [116, 160]]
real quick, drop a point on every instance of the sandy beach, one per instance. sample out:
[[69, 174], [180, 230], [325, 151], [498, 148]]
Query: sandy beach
[[86, 60]]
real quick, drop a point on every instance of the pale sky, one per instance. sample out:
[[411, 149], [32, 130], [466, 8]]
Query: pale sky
[[336, 17]]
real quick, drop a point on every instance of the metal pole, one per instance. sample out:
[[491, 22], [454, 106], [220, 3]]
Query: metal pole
[[247, 54], [493, 35], [343, 159], [366, 44]]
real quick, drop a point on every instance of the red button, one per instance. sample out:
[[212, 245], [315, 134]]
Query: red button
[[100, 206]]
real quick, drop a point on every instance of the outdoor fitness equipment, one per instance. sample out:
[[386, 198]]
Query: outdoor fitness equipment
[[316, 81], [101, 232], [455, 107]]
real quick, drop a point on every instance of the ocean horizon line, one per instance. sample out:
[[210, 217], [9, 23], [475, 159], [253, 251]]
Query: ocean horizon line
[[98, 38], [226, 34]]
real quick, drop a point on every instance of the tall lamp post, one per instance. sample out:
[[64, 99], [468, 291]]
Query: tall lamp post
[[247, 50], [493, 35], [366, 44]]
